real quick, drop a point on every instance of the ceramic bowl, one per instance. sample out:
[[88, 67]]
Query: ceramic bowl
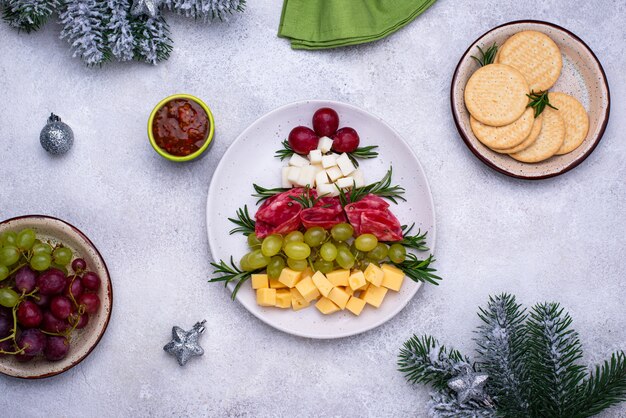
[[204, 146], [85, 340], [582, 77]]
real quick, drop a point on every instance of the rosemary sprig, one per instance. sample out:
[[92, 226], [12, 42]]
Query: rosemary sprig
[[262, 193], [417, 241], [285, 152], [364, 153], [305, 199], [245, 224], [231, 274], [382, 188], [539, 101], [486, 57], [419, 270]]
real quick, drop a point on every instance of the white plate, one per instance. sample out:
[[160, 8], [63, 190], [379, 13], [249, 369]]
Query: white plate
[[250, 159]]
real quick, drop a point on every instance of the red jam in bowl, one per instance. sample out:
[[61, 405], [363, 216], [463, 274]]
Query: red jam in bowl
[[180, 127]]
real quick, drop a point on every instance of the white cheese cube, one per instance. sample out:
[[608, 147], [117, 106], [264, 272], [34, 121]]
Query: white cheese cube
[[345, 182], [344, 163], [329, 160], [285, 177], [321, 178], [297, 160], [293, 174], [325, 144], [334, 173], [359, 179], [327, 190], [307, 176], [315, 156]]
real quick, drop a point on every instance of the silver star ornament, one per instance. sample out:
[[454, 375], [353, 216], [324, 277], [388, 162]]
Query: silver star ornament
[[184, 344], [146, 7], [469, 385]]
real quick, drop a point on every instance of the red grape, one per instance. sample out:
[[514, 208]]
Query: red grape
[[6, 325], [325, 121], [29, 315], [7, 346], [51, 323], [33, 341], [302, 140], [79, 265], [23, 358], [61, 307], [51, 282], [346, 140], [83, 320], [75, 286], [57, 348], [91, 281], [91, 301], [43, 300], [25, 280]]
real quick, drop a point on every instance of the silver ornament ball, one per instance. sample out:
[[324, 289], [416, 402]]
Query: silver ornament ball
[[56, 137]]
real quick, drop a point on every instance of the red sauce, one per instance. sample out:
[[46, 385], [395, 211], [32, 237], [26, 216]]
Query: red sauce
[[180, 127]]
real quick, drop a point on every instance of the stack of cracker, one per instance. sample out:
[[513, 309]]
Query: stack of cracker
[[496, 97]]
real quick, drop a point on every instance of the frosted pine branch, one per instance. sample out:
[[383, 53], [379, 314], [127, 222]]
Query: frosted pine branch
[[152, 39], [120, 38], [29, 15], [444, 405], [205, 10], [84, 27]]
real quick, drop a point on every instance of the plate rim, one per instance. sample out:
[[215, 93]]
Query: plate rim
[[499, 169], [419, 168], [109, 291]]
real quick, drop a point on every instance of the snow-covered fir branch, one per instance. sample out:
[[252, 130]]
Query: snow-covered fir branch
[[120, 37], [84, 28], [444, 405], [152, 39], [28, 15], [205, 10]]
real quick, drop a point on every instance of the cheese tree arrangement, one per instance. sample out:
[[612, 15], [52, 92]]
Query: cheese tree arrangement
[[528, 365]]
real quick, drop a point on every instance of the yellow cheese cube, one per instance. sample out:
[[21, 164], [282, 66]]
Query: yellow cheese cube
[[374, 295], [357, 280], [260, 281], [266, 297], [308, 272], [275, 284], [283, 298], [322, 283], [374, 274], [326, 306], [355, 305], [307, 289], [348, 290], [297, 300], [340, 297], [339, 277], [289, 277], [393, 277]]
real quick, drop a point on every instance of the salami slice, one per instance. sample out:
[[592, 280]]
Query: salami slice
[[371, 215], [279, 214], [326, 213]]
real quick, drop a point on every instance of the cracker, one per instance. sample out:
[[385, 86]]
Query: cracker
[[530, 139], [506, 136], [535, 55], [576, 120], [549, 140], [496, 95]]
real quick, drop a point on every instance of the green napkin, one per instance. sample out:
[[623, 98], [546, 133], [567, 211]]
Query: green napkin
[[320, 24]]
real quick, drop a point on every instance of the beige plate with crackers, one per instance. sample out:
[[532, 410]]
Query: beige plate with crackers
[[582, 76]]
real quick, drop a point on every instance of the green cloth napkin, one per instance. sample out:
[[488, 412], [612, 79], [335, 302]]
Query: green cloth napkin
[[321, 24]]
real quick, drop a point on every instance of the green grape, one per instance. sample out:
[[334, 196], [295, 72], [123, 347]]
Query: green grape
[[62, 256], [341, 245], [297, 250], [345, 259], [275, 267], [42, 248], [9, 255], [297, 265], [4, 272], [294, 236], [379, 253], [366, 242], [342, 232], [257, 260], [244, 264], [25, 239], [397, 253], [8, 297], [41, 262], [8, 238], [272, 245], [315, 236], [59, 267], [328, 252], [323, 266], [253, 241]]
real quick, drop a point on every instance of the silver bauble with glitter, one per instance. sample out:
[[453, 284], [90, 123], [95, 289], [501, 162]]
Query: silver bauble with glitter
[[56, 137]]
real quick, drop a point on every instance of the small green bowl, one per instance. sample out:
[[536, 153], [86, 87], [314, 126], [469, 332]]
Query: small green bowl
[[204, 146]]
